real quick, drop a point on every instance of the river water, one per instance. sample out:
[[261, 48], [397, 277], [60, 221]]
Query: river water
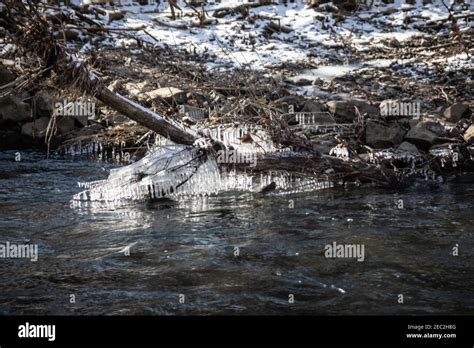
[[233, 254]]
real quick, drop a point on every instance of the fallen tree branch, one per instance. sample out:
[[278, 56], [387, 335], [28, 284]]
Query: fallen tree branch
[[144, 116]]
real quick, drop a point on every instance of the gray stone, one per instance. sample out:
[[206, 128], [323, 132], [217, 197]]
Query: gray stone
[[413, 122], [313, 106], [83, 120], [379, 135], [89, 130], [6, 75], [117, 119], [135, 89], [44, 104], [36, 129], [69, 34], [408, 147], [168, 94], [435, 127], [65, 125], [345, 111], [285, 102], [457, 111], [421, 136], [13, 108]]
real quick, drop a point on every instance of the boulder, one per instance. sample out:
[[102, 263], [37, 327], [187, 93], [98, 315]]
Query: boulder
[[285, 102], [89, 130], [13, 108], [408, 147], [36, 129], [70, 34], [6, 75], [44, 104], [116, 119], [115, 15], [168, 94], [435, 127], [135, 89], [421, 136], [313, 106], [457, 111], [380, 135], [345, 111], [469, 134], [65, 125]]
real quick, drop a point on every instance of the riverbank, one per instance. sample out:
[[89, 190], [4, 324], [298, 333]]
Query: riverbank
[[389, 82]]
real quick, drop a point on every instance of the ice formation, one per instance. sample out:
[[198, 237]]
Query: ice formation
[[171, 171]]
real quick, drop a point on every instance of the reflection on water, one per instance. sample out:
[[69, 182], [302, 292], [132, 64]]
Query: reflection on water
[[189, 247]]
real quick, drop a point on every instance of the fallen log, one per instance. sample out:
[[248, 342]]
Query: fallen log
[[144, 116]]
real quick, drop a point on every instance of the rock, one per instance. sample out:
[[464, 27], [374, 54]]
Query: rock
[[299, 81], [323, 147], [285, 103], [168, 94], [469, 135], [115, 15], [12, 140], [413, 122], [345, 111], [421, 136], [69, 34], [198, 98], [393, 42], [65, 125], [89, 130], [6, 75], [313, 106], [13, 108], [36, 129], [457, 111], [379, 135], [135, 89], [44, 104], [117, 119], [408, 147], [433, 126], [82, 121]]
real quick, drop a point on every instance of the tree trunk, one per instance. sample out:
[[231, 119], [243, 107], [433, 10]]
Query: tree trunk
[[144, 116]]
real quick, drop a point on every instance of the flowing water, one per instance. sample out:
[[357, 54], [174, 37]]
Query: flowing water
[[189, 247]]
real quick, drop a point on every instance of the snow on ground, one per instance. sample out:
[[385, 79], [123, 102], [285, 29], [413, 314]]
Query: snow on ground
[[319, 46], [316, 37]]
